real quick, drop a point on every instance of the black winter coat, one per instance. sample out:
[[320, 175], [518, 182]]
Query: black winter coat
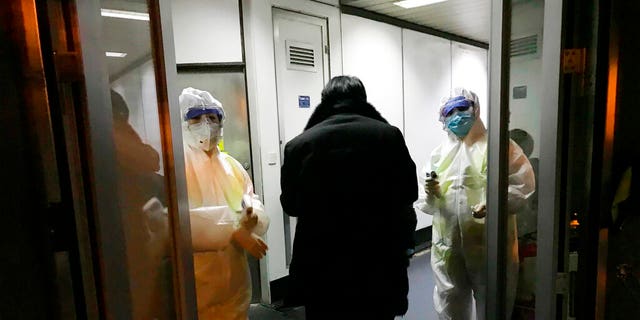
[[350, 181]]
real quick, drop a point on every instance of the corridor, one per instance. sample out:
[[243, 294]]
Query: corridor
[[420, 296]]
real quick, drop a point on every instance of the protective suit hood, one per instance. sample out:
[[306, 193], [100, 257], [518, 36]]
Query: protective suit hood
[[193, 104], [462, 97]]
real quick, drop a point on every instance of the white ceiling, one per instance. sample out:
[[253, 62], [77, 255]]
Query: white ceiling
[[132, 37], [466, 18]]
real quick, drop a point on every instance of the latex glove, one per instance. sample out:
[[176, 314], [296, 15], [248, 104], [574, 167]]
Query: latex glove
[[250, 242], [479, 211], [249, 220], [157, 216], [432, 186], [157, 227]]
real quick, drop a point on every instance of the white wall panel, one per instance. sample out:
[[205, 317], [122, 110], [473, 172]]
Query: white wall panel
[[207, 31], [469, 70], [527, 71], [525, 113], [427, 78], [372, 51]]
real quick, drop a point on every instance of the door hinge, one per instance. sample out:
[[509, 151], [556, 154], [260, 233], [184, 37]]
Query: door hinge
[[574, 60], [326, 49], [573, 261], [562, 283]]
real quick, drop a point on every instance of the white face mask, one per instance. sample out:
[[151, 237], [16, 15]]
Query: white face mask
[[204, 135]]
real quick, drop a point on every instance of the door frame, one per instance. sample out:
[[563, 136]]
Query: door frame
[[550, 160], [102, 158], [549, 223]]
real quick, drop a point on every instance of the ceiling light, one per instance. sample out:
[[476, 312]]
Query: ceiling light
[[115, 54], [408, 4], [124, 14]]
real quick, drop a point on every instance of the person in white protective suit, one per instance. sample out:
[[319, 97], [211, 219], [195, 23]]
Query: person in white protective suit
[[456, 197], [227, 219]]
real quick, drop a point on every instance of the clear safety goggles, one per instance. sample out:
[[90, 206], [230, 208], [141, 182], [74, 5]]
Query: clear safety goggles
[[197, 111], [459, 103]]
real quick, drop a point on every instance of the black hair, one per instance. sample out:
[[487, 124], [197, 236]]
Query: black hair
[[343, 94], [523, 139], [344, 88], [119, 107]]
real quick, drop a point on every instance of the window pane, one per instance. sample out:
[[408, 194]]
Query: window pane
[[525, 85], [140, 172]]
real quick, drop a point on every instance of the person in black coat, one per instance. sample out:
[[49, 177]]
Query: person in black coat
[[350, 181]]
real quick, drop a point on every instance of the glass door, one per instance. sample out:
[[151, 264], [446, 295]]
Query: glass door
[[135, 151], [558, 79], [524, 271]]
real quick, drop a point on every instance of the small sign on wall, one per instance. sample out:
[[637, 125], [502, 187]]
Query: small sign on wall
[[520, 92], [304, 101]]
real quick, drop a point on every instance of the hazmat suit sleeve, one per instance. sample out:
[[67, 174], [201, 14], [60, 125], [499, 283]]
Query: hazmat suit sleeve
[[211, 228], [258, 208], [422, 203], [426, 204], [522, 181]]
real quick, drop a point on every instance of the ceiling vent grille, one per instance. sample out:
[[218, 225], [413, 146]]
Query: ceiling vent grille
[[524, 46], [301, 56]]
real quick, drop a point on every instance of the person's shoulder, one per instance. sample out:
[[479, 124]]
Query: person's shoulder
[[387, 129], [233, 162], [375, 124], [300, 142], [228, 158]]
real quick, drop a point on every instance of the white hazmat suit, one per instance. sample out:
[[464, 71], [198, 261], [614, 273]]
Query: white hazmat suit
[[458, 250], [217, 187]]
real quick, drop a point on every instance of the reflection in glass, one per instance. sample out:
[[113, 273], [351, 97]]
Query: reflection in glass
[[140, 181], [524, 105]]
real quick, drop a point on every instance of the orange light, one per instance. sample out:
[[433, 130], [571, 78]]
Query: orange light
[[574, 223], [612, 95]]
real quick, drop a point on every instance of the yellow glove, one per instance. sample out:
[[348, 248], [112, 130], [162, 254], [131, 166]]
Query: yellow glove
[[250, 242], [248, 219]]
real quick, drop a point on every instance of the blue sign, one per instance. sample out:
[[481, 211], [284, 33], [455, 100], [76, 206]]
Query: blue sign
[[304, 101]]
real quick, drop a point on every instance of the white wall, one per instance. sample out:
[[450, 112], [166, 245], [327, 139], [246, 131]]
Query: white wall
[[372, 51], [261, 88], [427, 78], [406, 74], [207, 31], [469, 70], [525, 113], [527, 71]]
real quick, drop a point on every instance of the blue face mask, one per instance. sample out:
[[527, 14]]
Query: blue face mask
[[460, 123]]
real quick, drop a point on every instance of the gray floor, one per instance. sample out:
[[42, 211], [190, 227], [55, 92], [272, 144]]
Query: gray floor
[[420, 296], [421, 285]]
